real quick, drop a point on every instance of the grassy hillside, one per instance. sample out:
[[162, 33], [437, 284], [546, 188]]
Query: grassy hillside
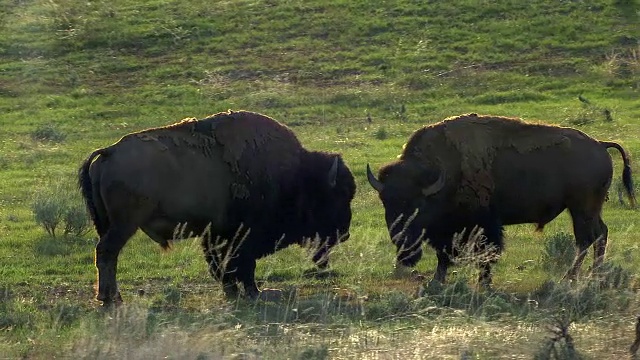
[[77, 75], [293, 57]]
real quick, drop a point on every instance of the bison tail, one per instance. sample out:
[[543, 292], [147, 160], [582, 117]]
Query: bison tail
[[86, 188], [627, 179]]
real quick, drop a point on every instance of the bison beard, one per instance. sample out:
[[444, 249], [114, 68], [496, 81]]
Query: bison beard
[[476, 171], [240, 179]]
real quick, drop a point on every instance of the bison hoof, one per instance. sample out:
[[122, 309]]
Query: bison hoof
[[432, 287], [109, 300], [485, 286], [415, 275], [570, 277], [231, 293]]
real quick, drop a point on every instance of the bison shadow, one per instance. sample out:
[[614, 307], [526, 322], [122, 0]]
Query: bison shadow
[[312, 273], [288, 305]]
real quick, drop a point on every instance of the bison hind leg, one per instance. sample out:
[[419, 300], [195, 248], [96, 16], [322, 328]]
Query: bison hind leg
[[230, 286], [585, 228], [489, 249], [106, 261], [485, 278], [601, 233]]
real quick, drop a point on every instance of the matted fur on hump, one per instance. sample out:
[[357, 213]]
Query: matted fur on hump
[[477, 138], [256, 147]]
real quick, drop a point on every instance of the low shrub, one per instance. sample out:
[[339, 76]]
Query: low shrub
[[559, 252], [59, 207], [559, 345], [48, 132], [381, 133]]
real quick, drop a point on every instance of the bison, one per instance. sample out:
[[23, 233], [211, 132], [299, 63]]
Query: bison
[[485, 172], [240, 179]]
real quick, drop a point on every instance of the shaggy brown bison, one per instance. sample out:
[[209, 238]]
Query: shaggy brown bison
[[486, 171], [241, 179]]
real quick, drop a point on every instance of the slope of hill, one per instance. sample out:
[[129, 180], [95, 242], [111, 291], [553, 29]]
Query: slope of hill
[[296, 55]]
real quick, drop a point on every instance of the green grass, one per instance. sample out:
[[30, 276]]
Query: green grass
[[77, 75]]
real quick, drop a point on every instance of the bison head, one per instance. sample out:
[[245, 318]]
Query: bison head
[[409, 193], [326, 198]]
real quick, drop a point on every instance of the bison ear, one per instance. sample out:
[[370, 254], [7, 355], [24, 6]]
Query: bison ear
[[333, 172]]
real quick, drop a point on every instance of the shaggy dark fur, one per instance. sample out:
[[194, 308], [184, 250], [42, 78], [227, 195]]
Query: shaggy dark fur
[[495, 171], [241, 179]]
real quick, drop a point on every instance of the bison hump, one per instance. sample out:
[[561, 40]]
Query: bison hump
[[478, 138], [259, 150], [256, 146]]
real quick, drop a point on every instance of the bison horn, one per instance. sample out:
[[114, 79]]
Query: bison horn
[[436, 186], [333, 172], [375, 183]]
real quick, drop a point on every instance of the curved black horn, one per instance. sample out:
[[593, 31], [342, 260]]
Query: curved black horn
[[333, 172], [375, 183], [436, 186]]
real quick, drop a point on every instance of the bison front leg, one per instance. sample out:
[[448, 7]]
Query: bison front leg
[[443, 264], [321, 257], [246, 275], [221, 271], [226, 275], [485, 279], [600, 246]]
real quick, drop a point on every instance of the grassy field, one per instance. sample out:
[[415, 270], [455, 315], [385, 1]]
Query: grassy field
[[357, 77]]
